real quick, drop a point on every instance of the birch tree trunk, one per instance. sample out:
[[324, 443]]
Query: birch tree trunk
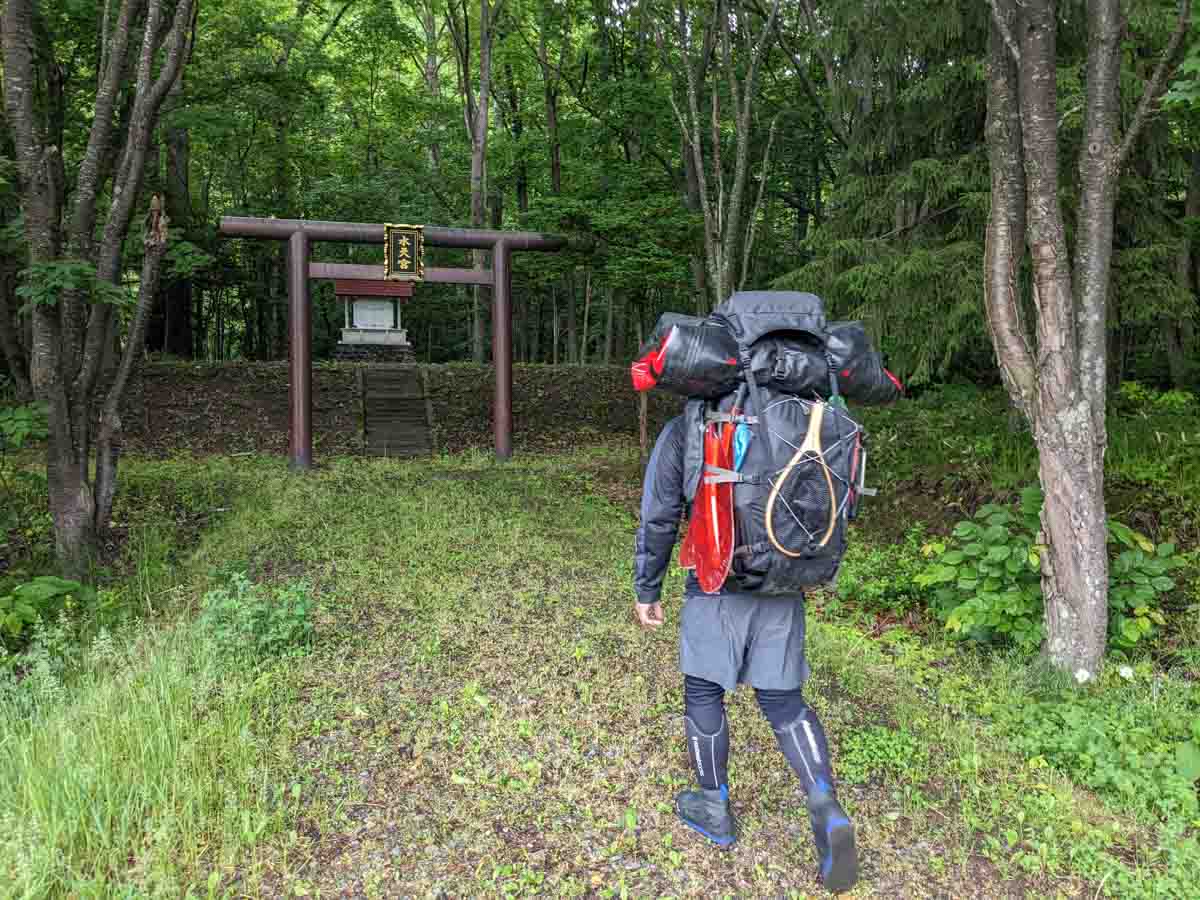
[[1059, 381], [721, 204]]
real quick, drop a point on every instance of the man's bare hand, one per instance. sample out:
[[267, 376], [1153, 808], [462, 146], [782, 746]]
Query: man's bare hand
[[649, 615]]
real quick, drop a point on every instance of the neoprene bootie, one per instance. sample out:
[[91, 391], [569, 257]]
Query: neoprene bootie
[[833, 834], [708, 812]]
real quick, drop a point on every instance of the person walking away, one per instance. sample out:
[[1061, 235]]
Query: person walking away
[[732, 638]]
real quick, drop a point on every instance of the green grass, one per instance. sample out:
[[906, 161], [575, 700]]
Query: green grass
[[480, 715], [139, 767]]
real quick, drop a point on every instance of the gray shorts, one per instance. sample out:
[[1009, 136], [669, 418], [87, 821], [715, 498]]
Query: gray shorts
[[736, 639]]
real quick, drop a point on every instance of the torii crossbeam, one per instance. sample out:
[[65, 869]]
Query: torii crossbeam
[[300, 235]]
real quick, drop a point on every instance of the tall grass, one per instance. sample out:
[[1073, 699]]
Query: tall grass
[[128, 767]]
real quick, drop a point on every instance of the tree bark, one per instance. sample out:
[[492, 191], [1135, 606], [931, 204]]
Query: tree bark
[[608, 324], [1004, 246], [572, 320], [550, 84], [587, 309], [73, 336], [1177, 329], [1061, 385], [1075, 566], [475, 114]]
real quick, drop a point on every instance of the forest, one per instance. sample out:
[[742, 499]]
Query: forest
[[838, 147], [223, 675]]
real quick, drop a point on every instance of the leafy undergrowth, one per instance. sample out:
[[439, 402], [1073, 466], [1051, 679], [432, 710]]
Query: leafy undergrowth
[[478, 715]]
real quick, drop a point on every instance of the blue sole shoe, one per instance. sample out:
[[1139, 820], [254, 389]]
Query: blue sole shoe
[[707, 813], [836, 853]]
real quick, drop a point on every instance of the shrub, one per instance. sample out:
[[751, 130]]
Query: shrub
[[881, 577], [41, 599], [1149, 762], [245, 618], [987, 578]]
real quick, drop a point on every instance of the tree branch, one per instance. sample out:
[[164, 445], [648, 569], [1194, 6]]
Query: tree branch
[[83, 221], [1005, 32], [108, 446], [1158, 83], [149, 97], [749, 247]]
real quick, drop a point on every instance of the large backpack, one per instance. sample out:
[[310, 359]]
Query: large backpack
[[769, 362]]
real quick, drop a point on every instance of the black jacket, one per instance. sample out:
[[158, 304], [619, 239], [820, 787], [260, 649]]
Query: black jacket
[[662, 507]]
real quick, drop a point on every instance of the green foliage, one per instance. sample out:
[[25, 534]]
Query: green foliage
[[1137, 580], [45, 282], [247, 618], [185, 260], [21, 424], [1133, 396], [1149, 761], [878, 751], [987, 578], [881, 577], [38, 600], [18, 426]]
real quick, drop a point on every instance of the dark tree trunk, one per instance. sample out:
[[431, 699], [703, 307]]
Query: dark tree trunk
[[72, 339], [533, 324], [611, 295], [572, 323], [1178, 330], [177, 299]]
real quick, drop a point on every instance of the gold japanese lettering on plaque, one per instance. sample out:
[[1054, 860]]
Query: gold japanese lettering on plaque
[[404, 252]]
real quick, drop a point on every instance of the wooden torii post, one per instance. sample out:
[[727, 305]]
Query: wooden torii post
[[300, 235]]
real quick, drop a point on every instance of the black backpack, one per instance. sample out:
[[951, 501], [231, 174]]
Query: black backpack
[[792, 501]]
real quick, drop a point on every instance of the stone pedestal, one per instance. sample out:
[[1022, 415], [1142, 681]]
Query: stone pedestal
[[373, 333], [374, 353]]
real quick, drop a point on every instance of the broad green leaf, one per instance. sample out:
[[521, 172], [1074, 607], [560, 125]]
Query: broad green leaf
[[1187, 761]]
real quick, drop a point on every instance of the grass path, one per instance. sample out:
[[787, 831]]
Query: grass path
[[482, 717]]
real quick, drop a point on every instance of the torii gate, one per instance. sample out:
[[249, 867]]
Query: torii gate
[[301, 233]]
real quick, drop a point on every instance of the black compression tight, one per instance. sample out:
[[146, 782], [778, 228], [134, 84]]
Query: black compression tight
[[797, 730]]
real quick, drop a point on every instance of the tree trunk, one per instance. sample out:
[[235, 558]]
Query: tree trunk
[[550, 82], [572, 322], [587, 309], [1075, 566], [554, 326], [1061, 388], [178, 296], [475, 114], [72, 339], [1177, 328], [608, 325], [533, 323]]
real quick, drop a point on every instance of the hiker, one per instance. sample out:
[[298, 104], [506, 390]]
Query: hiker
[[725, 639]]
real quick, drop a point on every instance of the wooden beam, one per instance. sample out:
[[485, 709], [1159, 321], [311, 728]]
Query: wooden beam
[[369, 287], [375, 273]]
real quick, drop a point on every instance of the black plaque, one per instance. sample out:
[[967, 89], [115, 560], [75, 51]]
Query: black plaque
[[404, 252]]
